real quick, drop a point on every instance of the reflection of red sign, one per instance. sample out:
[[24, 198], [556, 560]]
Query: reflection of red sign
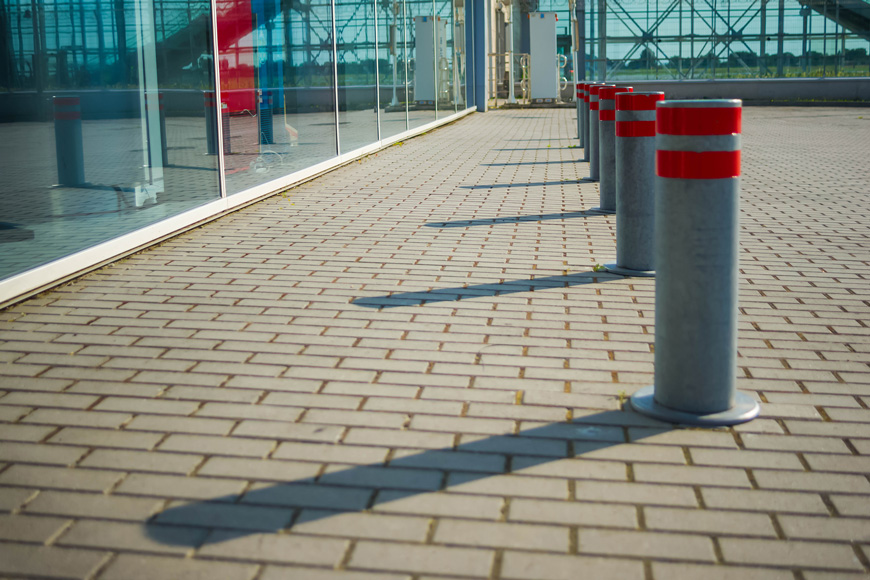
[[235, 28]]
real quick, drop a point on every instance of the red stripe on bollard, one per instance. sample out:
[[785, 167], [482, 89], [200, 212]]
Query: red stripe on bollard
[[698, 164], [638, 101], [593, 92], [635, 128], [699, 121]]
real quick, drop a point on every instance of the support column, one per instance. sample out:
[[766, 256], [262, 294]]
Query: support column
[[602, 40], [479, 13]]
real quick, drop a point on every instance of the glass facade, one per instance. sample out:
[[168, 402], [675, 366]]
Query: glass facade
[[116, 115], [707, 39]]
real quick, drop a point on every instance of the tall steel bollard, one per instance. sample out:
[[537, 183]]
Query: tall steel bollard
[[696, 256], [586, 146], [69, 147], [264, 118], [594, 166], [211, 134], [607, 148], [635, 173], [578, 100]]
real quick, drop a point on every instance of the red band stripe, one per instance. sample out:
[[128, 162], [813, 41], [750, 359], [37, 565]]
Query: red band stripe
[[635, 128], [637, 102], [698, 165], [593, 105], [606, 115], [698, 121]]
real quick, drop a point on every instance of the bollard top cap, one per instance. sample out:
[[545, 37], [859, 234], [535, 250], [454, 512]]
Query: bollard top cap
[[609, 93], [702, 104], [596, 87], [638, 101]]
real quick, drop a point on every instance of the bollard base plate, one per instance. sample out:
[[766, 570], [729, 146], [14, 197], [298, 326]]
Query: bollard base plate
[[745, 409], [603, 211], [614, 269]]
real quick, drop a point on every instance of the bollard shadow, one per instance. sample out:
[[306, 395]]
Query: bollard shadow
[[482, 290], [293, 504], [514, 220], [533, 184], [528, 163]]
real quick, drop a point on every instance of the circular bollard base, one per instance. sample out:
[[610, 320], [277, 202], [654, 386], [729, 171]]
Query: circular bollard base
[[603, 211], [745, 409], [614, 269]]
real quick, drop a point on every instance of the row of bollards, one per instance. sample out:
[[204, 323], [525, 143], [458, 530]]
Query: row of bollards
[[675, 178]]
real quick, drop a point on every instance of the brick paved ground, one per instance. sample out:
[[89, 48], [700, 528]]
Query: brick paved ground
[[407, 369]]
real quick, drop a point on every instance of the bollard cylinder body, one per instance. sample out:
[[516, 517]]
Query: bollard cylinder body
[[267, 134], [635, 175], [69, 147], [585, 115], [211, 133], [594, 166], [578, 100], [607, 147], [696, 258]]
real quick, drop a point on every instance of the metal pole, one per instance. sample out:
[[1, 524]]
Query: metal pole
[[780, 38], [607, 148], [602, 40], [696, 258], [635, 174]]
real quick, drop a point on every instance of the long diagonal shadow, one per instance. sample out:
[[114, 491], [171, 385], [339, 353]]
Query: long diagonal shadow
[[295, 503], [515, 219], [528, 163], [479, 290], [531, 184]]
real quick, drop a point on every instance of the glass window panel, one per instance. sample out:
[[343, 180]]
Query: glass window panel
[[103, 121], [357, 81], [391, 42], [277, 90], [420, 48]]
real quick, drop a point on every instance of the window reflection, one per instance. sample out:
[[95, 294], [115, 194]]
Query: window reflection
[[103, 124]]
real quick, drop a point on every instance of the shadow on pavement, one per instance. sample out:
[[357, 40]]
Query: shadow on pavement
[[514, 220], [528, 163], [518, 185], [361, 488], [478, 290]]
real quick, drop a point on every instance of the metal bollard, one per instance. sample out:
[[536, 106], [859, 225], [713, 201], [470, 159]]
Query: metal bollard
[[69, 147], [264, 118], [583, 116], [635, 173], [607, 148], [696, 256], [584, 112], [594, 163], [164, 152], [587, 106], [578, 99], [211, 137]]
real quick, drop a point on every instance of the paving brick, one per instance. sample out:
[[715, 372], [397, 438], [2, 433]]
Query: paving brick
[[77, 418], [849, 505], [790, 553], [421, 559], [743, 458], [259, 469], [507, 535], [140, 567], [684, 571], [573, 513], [196, 425], [361, 525], [709, 522], [645, 544], [26, 528], [522, 565], [825, 528], [106, 438], [58, 400], [59, 478], [302, 494], [438, 504], [92, 505], [169, 486], [131, 460], [41, 453], [355, 454], [280, 572], [13, 497], [208, 445], [691, 475], [811, 481], [48, 562], [508, 485], [764, 501], [635, 493], [274, 548]]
